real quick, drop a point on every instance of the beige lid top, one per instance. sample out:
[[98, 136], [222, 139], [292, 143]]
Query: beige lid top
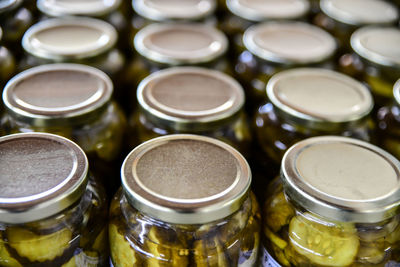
[[289, 42], [260, 10], [77, 7], [342, 179], [360, 12], [69, 38], [162, 10], [7, 5], [379, 45], [186, 179], [319, 98], [51, 94], [40, 175], [178, 44], [189, 98]]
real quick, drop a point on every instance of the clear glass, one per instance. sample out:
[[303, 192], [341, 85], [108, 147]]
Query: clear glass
[[296, 237], [7, 66], [76, 236], [138, 240], [388, 129]]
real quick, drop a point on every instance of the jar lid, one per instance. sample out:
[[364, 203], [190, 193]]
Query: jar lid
[[178, 44], [81, 7], [162, 10], [258, 10], [7, 5], [40, 175], [319, 98], [57, 94], [69, 38], [396, 91], [360, 12], [379, 45], [342, 179], [289, 42], [190, 98], [186, 179]]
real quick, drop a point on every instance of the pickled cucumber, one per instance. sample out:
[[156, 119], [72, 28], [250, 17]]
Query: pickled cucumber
[[371, 253], [122, 254], [5, 258], [209, 253], [278, 212], [326, 245], [38, 247], [87, 259]]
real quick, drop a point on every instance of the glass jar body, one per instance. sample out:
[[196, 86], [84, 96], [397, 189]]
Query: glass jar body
[[388, 129], [297, 237], [75, 237], [7, 66], [136, 239]]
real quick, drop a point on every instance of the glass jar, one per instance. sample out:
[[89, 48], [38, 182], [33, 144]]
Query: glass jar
[[191, 100], [7, 64], [275, 46], [377, 50], [308, 102], [73, 101], [53, 213], [336, 204], [185, 201]]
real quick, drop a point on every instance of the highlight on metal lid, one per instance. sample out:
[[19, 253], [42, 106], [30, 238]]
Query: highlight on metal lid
[[186, 179], [178, 44], [84, 7], [190, 98], [360, 12], [163, 10], [396, 92], [54, 94], [342, 179], [7, 5], [319, 98], [255, 10], [289, 42], [379, 45], [40, 175], [69, 38]]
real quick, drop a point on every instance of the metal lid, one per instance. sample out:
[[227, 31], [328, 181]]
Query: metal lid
[[77, 7], [6, 5], [189, 98], [40, 175], [360, 12], [396, 91], [178, 44], [319, 98], [162, 10], [289, 42], [260, 10], [186, 179], [57, 94], [342, 179], [379, 45], [69, 38]]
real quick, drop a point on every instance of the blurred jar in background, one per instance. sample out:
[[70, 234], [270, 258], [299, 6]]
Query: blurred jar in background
[[7, 63]]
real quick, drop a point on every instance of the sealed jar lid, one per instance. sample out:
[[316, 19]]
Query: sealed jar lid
[[7, 5], [289, 42], [40, 175], [69, 38], [260, 10], [342, 179], [396, 91], [77, 7], [186, 179], [177, 44], [162, 10], [319, 98], [360, 12], [57, 94], [379, 45], [190, 98]]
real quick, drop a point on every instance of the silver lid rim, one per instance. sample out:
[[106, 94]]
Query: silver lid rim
[[50, 8], [100, 25], [313, 121], [14, 214], [247, 13], [12, 4], [207, 54], [215, 207], [396, 92], [141, 9], [188, 124], [250, 33], [334, 208], [41, 120]]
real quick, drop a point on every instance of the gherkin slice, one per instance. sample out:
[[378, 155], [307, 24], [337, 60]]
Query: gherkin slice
[[122, 253], [87, 259], [278, 212], [371, 253], [209, 253], [5, 258], [323, 244], [39, 247]]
